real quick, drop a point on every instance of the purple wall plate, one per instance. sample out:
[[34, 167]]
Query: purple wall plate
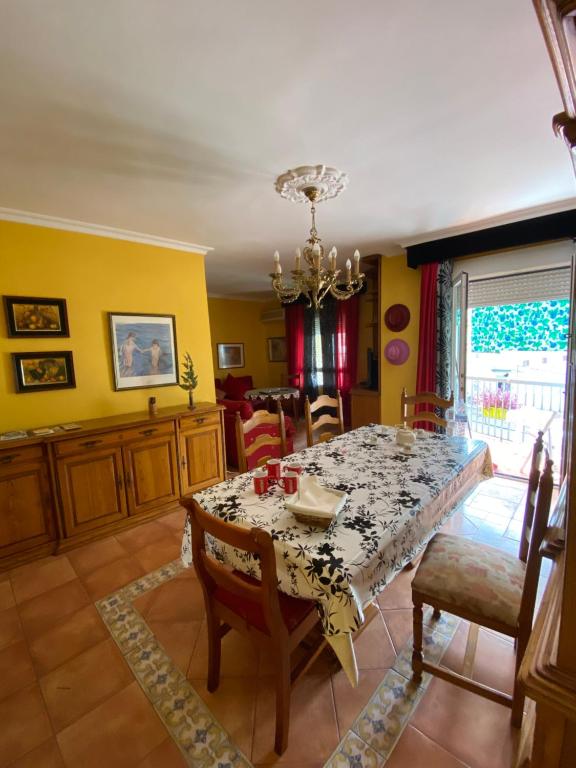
[[397, 352]]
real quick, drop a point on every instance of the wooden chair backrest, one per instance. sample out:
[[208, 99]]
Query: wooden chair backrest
[[533, 478], [323, 401], [213, 574], [274, 438], [429, 398], [540, 522]]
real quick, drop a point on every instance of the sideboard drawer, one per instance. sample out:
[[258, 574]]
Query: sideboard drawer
[[87, 443], [18, 455], [158, 429], [201, 420]]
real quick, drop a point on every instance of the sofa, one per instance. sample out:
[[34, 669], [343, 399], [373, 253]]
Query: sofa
[[230, 394]]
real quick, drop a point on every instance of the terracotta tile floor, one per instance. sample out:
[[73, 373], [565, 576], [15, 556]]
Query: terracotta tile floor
[[68, 697]]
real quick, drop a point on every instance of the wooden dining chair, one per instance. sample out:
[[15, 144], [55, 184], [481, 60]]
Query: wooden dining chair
[[274, 621], [486, 586], [261, 437], [325, 420], [428, 398]]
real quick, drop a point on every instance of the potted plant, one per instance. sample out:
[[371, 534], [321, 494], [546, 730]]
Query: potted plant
[[189, 379]]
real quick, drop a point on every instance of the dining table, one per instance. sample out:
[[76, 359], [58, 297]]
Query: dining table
[[396, 499]]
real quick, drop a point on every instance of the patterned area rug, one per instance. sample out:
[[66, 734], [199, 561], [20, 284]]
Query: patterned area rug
[[200, 737]]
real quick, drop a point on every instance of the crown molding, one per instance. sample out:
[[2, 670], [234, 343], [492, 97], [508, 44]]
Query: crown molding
[[243, 297], [85, 228], [493, 221]]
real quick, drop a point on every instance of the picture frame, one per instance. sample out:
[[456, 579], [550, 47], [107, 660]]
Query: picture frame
[[277, 349], [43, 371], [36, 317], [230, 355], [144, 350]]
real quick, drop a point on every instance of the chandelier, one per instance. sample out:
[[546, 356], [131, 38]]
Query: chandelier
[[313, 184]]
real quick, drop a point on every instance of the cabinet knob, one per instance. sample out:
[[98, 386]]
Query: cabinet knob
[[10, 457], [128, 480], [148, 432], [200, 421], [183, 462], [119, 483], [90, 443]]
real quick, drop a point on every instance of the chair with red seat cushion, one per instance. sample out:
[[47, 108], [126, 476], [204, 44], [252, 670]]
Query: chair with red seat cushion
[[275, 621], [260, 438], [246, 410]]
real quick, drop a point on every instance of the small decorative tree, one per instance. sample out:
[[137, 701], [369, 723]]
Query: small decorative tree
[[189, 378]]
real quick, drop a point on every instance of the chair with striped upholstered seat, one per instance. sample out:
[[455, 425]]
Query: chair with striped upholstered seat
[[486, 586]]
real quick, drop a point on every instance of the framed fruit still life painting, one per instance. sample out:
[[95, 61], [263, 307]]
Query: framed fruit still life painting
[[39, 371], [35, 317]]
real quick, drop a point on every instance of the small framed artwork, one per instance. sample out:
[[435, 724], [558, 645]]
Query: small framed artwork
[[230, 355], [277, 349], [39, 371], [35, 317], [144, 350]]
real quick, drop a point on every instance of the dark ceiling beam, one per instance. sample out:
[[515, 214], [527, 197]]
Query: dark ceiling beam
[[554, 226]]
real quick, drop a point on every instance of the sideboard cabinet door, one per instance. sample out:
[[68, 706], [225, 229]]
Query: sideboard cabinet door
[[201, 453], [151, 471], [92, 489], [25, 505]]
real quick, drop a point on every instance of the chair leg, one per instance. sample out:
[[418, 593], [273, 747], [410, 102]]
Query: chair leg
[[417, 648], [282, 703], [214, 652], [518, 694]]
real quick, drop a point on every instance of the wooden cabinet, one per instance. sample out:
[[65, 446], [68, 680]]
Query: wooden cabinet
[[365, 406], [109, 475], [91, 489], [151, 473], [26, 509], [201, 452]]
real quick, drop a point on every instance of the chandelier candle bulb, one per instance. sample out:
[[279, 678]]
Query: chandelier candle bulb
[[356, 262], [277, 267], [348, 270], [298, 257]]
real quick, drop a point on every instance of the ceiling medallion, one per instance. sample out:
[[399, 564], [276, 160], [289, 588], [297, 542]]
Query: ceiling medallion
[[313, 184]]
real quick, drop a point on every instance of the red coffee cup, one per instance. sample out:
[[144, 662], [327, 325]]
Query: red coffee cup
[[260, 482], [294, 468], [273, 467], [290, 482]]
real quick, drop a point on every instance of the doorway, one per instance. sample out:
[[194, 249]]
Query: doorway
[[516, 349]]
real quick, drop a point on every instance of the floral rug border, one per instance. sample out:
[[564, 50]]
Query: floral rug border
[[203, 742]]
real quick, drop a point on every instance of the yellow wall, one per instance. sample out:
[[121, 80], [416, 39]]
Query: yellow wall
[[234, 321], [398, 285], [97, 275]]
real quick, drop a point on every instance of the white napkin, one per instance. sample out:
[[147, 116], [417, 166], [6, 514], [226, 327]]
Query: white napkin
[[315, 497]]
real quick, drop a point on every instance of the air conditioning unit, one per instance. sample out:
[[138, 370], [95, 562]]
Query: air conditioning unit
[[273, 315]]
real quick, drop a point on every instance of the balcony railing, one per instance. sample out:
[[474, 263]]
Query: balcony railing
[[515, 410]]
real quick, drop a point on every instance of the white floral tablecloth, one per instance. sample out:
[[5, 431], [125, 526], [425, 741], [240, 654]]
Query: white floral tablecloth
[[396, 502]]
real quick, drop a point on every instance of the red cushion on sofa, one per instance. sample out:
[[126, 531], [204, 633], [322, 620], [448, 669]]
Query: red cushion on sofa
[[243, 407], [237, 386]]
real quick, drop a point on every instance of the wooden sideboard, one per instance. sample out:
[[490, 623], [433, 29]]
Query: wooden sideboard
[[68, 488]]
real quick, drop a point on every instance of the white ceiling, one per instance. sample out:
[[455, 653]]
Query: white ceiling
[[173, 118]]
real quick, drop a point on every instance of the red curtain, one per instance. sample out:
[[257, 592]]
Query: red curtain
[[346, 351], [294, 319], [426, 373]]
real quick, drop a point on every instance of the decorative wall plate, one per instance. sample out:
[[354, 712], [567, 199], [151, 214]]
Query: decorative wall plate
[[397, 352], [397, 317]]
